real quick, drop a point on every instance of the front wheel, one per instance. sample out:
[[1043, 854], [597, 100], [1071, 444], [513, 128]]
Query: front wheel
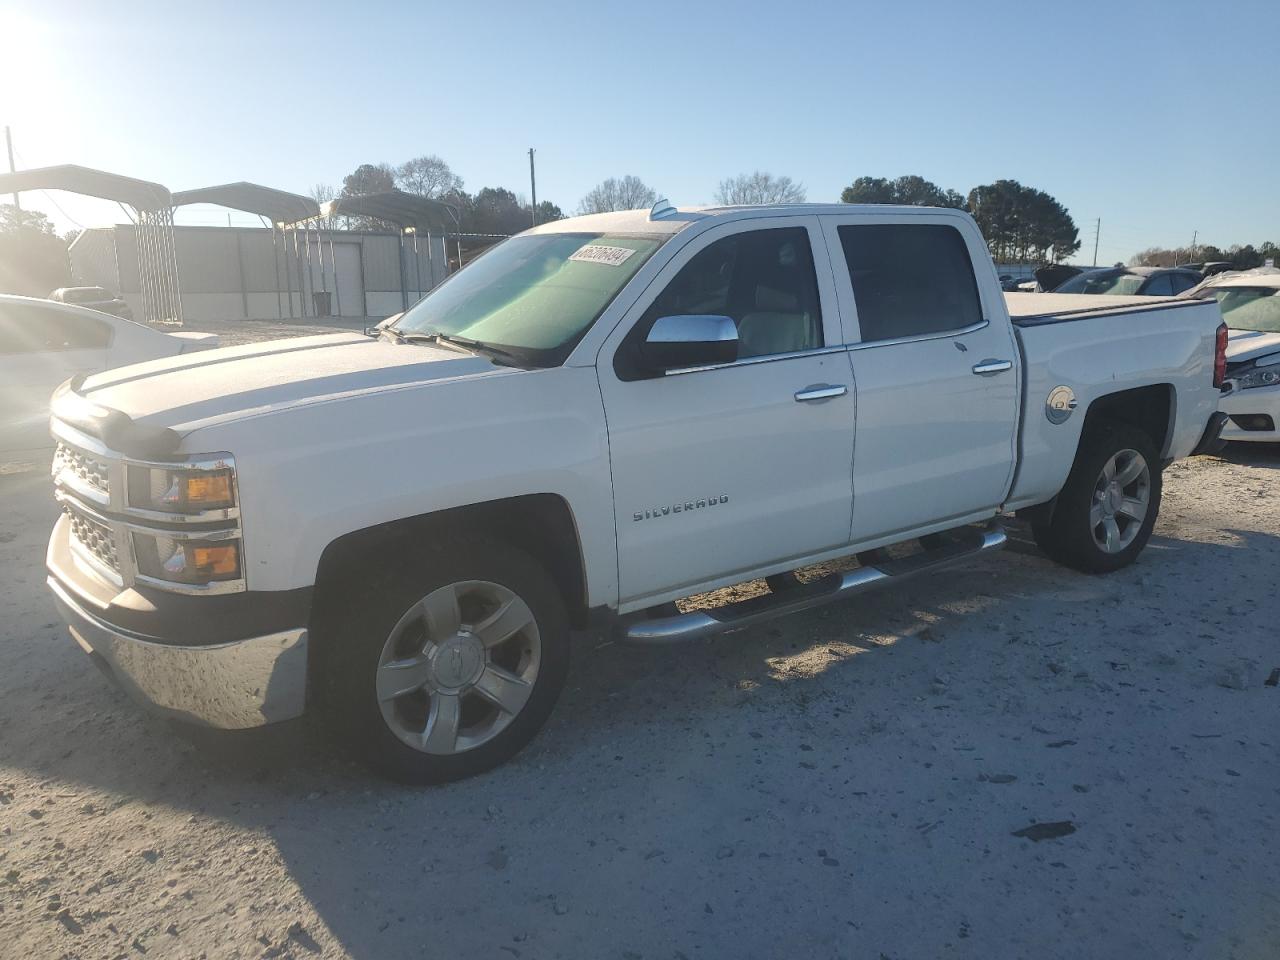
[[1108, 507], [447, 664]]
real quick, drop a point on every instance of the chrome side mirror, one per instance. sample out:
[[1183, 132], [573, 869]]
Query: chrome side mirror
[[692, 340]]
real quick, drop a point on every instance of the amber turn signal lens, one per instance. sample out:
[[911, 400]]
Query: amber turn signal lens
[[182, 489], [216, 561], [209, 489]]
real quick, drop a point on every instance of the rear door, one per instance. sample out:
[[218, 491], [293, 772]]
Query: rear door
[[729, 468], [936, 368], [40, 347]]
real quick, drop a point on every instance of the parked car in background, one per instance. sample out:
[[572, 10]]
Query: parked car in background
[[95, 298], [1053, 275], [1250, 304], [1211, 267], [43, 343], [1133, 281]]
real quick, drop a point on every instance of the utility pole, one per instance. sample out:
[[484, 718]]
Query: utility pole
[[1097, 232], [8, 142], [533, 188], [1194, 235]]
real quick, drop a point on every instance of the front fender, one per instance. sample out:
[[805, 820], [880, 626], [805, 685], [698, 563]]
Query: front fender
[[309, 475]]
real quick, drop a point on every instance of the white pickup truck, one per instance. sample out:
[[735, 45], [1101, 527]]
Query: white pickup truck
[[598, 418]]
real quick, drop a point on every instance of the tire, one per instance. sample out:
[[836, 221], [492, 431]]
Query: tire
[[1077, 533], [398, 656]]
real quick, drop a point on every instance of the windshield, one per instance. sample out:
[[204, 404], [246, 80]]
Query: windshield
[[532, 296], [1103, 281], [1248, 308]]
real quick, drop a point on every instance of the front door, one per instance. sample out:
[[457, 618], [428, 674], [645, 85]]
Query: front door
[[936, 370], [723, 470]]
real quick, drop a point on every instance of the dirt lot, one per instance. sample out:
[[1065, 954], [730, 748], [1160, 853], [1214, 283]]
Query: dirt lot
[[846, 783], [234, 332]]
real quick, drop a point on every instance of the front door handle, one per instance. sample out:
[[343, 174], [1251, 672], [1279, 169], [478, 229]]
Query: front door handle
[[991, 366], [821, 391]]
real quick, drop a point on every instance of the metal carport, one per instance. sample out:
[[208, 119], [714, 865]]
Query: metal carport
[[152, 217], [410, 214], [284, 211]]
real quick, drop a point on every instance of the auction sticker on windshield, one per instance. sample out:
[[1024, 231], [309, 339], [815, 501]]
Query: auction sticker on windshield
[[599, 253]]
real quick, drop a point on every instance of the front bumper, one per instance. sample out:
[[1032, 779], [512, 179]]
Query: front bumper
[[1254, 407], [245, 683]]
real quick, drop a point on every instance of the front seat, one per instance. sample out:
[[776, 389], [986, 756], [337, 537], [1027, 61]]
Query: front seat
[[777, 325]]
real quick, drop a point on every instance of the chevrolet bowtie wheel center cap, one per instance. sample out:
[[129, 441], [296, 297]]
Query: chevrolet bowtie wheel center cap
[[458, 662]]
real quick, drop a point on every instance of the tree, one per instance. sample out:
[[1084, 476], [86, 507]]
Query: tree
[[368, 178], [322, 193], [1022, 224], [759, 188], [910, 189], [33, 259], [1241, 257], [628, 193], [496, 210], [548, 211], [427, 176]]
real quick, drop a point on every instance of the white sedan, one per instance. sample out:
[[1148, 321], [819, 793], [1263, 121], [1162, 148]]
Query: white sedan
[[43, 343], [1250, 304]]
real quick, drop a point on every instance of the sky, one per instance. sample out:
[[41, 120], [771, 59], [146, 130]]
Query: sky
[[1157, 118]]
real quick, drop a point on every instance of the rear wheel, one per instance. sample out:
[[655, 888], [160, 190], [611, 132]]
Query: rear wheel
[[1107, 509], [448, 665]]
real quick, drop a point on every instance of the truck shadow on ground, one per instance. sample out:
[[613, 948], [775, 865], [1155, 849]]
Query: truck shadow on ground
[[685, 783], [1252, 454]]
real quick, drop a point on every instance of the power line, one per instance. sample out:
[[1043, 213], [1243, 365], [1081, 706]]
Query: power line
[[44, 193]]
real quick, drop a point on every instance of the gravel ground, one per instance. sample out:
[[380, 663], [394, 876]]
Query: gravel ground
[[234, 332], [1008, 760]]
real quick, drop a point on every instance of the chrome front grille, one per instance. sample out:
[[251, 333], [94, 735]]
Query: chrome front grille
[[94, 538], [81, 469]]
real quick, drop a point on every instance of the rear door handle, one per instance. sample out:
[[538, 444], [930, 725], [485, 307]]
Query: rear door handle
[[821, 391], [991, 366]]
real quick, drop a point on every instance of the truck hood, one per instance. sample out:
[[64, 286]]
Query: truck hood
[[1245, 345], [190, 391]]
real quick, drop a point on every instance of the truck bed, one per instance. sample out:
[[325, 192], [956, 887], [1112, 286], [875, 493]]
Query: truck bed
[[1034, 309], [1095, 345]]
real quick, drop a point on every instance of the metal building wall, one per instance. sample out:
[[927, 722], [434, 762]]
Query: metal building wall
[[229, 273]]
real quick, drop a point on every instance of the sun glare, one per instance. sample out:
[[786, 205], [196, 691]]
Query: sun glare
[[32, 72]]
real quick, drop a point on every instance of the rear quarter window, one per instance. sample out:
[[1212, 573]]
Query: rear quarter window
[[27, 328]]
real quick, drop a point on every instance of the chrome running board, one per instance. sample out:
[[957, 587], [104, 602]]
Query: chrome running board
[[958, 545]]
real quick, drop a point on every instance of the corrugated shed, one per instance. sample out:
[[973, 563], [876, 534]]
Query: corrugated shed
[[381, 262], [93, 259], [208, 261]]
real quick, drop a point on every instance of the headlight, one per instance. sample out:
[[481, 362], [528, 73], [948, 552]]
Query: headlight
[[1258, 377], [182, 489], [186, 561]]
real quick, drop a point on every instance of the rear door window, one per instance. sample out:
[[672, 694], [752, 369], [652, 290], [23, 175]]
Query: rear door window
[[1159, 286], [910, 280]]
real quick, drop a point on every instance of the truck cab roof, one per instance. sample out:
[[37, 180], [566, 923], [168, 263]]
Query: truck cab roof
[[671, 220]]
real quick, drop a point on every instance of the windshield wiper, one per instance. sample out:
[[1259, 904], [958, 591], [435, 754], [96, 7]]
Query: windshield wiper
[[399, 336], [497, 354], [507, 357]]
